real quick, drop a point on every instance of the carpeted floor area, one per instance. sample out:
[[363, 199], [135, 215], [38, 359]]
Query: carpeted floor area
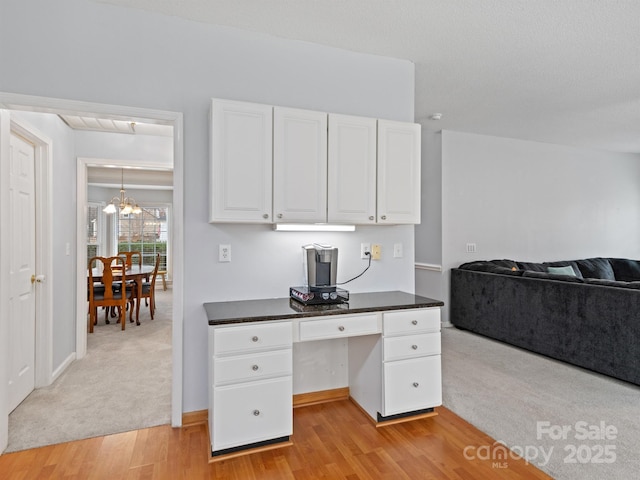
[[122, 384], [572, 423]]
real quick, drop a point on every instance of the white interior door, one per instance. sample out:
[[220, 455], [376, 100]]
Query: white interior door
[[22, 312]]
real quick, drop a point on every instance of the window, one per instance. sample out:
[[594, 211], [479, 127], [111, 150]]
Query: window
[[95, 230], [147, 232]]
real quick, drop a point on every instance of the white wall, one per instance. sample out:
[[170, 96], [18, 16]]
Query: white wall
[[535, 202], [100, 53]]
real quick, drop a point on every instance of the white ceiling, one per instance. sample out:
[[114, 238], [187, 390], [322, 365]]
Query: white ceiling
[[558, 71]]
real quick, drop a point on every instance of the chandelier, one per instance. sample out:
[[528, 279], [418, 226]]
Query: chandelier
[[125, 204]]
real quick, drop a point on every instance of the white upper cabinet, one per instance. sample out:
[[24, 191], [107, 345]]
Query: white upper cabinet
[[241, 162], [351, 170], [398, 172], [299, 165]]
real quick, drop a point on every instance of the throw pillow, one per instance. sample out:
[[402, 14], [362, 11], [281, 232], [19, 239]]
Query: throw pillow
[[562, 271]]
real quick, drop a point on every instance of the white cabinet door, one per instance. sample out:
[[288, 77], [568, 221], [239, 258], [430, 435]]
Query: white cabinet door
[[398, 172], [300, 165], [252, 412], [411, 385], [351, 170], [241, 162]]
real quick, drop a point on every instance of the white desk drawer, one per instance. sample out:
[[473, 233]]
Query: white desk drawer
[[411, 321], [251, 412], [251, 337], [409, 346], [245, 368], [338, 326], [412, 385]]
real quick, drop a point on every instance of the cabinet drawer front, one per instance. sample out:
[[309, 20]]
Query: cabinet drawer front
[[253, 412], [252, 337], [338, 326], [409, 346], [412, 385], [251, 367], [411, 321]]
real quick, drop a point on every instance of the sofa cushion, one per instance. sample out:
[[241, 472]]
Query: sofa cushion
[[533, 267], [490, 267], [551, 276], [510, 264], [625, 270], [565, 263], [566, 270], [596, 268]]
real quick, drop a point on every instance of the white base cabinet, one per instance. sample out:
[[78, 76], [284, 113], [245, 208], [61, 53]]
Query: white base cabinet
[[394, 370], [399, 372], [250, 368]]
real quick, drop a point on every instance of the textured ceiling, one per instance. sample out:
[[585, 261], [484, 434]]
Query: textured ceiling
[[558, 71]]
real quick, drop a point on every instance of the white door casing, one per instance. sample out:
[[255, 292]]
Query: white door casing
[[22, 279], [44, 238]]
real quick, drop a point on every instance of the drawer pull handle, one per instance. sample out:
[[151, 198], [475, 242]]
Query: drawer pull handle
[[416, 384], [255, 368], [383, 217], [341, 328], [371, 218], [254, 339], [266, 215], [415, 347], [256, 413], [414, 322]]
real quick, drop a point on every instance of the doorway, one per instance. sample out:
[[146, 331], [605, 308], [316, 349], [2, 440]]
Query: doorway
[[39, 104]]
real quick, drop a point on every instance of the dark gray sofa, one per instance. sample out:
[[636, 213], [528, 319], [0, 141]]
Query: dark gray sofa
[[590, 318]]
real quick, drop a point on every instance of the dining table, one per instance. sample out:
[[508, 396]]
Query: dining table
[[138, 273]]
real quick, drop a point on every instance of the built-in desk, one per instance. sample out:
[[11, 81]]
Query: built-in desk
[[394, 370]]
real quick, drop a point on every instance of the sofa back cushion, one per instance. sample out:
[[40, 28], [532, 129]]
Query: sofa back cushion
[[596, 268], [625, 270]]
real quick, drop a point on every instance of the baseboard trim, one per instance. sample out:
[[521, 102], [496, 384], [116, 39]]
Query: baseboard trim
[[195, 418], [393, 421], [63, 366], [322, 396]]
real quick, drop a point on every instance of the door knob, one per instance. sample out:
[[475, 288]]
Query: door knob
[[37, 278], [33, 278]]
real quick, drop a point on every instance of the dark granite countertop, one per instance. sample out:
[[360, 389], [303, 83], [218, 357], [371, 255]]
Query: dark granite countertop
[[241, 311]]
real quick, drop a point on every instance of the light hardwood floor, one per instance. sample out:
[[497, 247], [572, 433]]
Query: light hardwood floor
[[332, 441]]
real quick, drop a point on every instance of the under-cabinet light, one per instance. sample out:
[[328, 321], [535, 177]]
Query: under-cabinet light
[[313, 227]]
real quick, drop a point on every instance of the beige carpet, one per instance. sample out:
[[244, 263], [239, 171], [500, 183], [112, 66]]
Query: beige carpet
[[122, 384], [506, 391]]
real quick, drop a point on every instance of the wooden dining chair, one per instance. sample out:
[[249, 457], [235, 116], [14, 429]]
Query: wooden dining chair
[[130, 257], [149, 289], [104, 293]]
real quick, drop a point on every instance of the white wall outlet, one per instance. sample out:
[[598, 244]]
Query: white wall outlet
[[376, 251], [224, 253], [397, 250], [471, 248], [364, 249]]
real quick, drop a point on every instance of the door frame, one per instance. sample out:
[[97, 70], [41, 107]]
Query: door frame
[[43, 371], [13, 101], [82, 198]]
